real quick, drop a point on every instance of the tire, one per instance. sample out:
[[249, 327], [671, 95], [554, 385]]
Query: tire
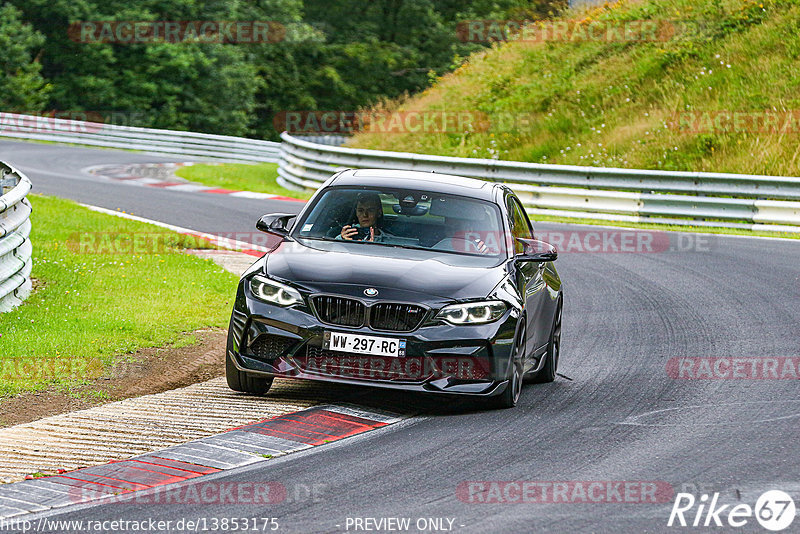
[[510, 397], [244, 382], [548, 372]]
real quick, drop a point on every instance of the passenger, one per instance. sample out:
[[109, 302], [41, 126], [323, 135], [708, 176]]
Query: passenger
[[369, 213]]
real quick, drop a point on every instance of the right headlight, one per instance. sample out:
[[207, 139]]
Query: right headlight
[[274, 292], [473, 312]]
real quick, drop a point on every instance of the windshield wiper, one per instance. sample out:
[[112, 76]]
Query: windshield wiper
[[396, 245]]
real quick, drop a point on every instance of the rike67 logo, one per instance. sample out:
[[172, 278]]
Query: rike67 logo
[[774, 510]]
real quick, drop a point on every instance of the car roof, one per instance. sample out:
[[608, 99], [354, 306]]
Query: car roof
[[429, 181]]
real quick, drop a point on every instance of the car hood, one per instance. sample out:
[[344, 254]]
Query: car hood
[[326, 266]]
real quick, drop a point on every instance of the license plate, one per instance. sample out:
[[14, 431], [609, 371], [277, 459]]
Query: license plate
[[358, 344]]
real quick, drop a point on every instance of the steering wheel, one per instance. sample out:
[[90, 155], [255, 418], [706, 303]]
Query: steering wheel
[[459, 244]]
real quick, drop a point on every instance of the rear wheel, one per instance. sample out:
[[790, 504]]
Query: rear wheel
[[242, 381], [510, 397], [548, 372]]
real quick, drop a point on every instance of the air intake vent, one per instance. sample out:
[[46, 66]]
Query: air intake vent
[[396, 317], [269, 347], [340, 311]]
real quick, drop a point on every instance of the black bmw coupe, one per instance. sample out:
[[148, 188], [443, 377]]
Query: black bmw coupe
[[401, 279]]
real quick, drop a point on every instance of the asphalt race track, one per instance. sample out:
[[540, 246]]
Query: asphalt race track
[[56, 170], [619, 417]]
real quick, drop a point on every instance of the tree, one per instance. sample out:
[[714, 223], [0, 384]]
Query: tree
[[343, 55], [22, 87], [187, 85]]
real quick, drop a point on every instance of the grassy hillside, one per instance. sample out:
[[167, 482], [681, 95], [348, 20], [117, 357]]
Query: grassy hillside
[[625, 104]]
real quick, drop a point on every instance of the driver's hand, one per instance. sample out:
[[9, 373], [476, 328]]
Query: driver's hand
[[348, 232]]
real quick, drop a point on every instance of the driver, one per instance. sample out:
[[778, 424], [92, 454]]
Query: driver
[[369, 212]]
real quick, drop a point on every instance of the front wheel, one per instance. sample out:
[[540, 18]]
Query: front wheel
[[510, 397], [244, 382]]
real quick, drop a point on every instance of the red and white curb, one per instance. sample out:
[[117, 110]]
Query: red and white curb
[[244, 247], [161, 175], [241, 446]]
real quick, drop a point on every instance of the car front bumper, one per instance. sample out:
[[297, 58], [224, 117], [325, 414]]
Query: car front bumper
[[270, 340]]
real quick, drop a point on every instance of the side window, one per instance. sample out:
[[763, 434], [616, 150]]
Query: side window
[[520, 225]]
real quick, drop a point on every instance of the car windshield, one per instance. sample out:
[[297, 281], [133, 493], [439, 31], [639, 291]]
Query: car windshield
[[405, 218]]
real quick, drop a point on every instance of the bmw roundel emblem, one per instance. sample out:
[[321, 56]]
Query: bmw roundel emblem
[[371, 292]]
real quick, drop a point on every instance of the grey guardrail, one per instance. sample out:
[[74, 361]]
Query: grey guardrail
[[172, 142], [15, 245], [668, 197]]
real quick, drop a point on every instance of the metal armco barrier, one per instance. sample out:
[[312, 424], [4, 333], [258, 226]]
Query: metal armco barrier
[[664, 197], [15, 245], [174, 143]]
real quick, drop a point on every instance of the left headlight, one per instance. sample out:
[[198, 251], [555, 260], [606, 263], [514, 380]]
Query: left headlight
[[472, 312], [274, 292]]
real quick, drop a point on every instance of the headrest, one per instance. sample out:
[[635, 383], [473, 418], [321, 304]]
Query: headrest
[[458, 209]]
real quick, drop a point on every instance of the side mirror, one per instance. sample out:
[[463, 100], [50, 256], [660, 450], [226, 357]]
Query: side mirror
[[275, 223], [537, 251]]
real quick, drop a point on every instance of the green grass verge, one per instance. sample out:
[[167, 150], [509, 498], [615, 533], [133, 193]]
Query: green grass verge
[[90, 309], [259, 178]]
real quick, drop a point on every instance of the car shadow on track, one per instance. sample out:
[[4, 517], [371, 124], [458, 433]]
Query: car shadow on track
[[395, 401]]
